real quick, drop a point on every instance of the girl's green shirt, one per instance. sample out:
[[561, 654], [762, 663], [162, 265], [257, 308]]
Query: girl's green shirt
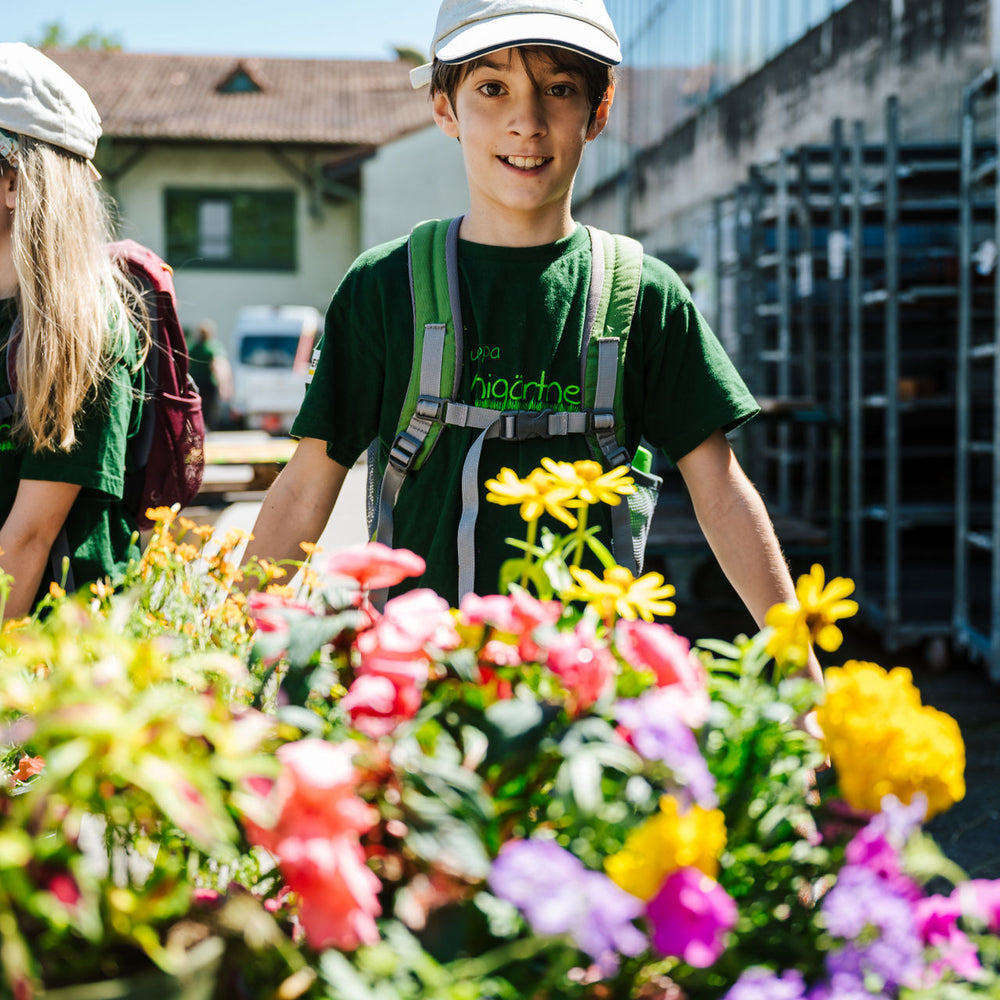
[[99, 528], [523, 312]]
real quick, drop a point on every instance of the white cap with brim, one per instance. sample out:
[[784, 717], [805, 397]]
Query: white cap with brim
[[469, 29], [41, 100]]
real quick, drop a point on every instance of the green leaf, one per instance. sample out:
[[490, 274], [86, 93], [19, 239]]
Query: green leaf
[[453, 847], [343, 978], [514, 725]]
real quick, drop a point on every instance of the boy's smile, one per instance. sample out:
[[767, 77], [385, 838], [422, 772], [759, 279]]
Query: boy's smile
[[523, 122]]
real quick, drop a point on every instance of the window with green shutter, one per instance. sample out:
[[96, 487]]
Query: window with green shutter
[[251, 230]]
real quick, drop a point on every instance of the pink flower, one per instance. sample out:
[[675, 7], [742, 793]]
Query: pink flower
[[414, 620], [338, 891], [318, 819], [378, 703], [660, 649], [583, 664], [269, 611], [690, 916], [375, 565], [980, 899], [937, 918], [516, 617]]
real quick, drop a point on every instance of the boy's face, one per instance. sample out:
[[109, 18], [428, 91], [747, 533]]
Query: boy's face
[[523, 126]]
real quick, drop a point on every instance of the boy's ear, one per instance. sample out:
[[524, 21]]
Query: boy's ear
[[444, 114], [601, 114]]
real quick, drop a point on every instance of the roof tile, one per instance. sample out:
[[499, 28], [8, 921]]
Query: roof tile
[[308, 101]]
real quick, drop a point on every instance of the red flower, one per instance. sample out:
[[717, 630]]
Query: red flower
[[583, 664], [28, 767]]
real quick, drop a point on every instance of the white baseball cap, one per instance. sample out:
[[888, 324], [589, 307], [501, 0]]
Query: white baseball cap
[[41, 100], [468, 29]]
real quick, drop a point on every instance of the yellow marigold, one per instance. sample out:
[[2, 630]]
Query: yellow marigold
[[56, 591], [881, 739], [310, 548], [620, 593], [665, 842], [162, 516], [811, 619], [537, 494], [589, 482]]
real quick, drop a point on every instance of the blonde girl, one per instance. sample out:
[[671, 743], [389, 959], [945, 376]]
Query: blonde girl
[[69, 345]]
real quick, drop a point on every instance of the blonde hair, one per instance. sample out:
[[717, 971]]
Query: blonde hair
[[74, 303]]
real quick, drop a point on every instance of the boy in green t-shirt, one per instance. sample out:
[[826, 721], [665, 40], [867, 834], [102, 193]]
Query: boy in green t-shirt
[[523, 86]]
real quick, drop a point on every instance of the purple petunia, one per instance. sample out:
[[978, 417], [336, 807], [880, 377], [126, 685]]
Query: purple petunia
[[844, 987], [759, 983], [877, 927], [558, 895], [657, 732]]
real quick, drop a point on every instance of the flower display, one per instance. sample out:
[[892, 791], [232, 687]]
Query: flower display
[[543, 793]]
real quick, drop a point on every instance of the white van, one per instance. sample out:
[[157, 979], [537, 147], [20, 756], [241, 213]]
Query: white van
[[271, 349]]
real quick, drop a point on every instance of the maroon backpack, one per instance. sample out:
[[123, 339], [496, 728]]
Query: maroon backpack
[[166, 455]]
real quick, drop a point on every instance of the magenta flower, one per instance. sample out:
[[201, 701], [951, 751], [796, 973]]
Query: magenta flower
[[937, 923], [691, 915], [375, 565]]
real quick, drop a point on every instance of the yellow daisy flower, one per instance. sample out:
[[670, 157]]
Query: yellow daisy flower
[[537, 494], [812, 619], [619, 592], [589, 482]]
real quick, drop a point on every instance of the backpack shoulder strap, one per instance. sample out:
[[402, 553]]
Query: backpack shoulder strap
[[436, 370], [616, 271]]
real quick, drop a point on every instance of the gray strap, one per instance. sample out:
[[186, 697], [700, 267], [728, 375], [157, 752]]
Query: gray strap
[[8, 406], [470, 511], [597, 266], [614, 453]]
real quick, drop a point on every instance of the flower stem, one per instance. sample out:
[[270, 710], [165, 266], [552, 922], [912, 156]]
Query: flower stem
[[529, 556], [581, 528]]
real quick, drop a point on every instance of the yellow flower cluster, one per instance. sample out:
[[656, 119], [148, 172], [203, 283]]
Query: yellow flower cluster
[[881, 739], [620, 593], [665, 842], [558, 488], [811, 619]]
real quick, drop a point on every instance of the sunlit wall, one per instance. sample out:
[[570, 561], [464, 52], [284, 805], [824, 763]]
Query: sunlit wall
[[680, 54]]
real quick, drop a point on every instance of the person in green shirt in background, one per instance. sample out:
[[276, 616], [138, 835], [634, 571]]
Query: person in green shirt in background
[[73, 338], [210, 369]]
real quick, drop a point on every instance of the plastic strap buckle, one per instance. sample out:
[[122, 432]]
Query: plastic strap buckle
[[404, 450], [522, 425]]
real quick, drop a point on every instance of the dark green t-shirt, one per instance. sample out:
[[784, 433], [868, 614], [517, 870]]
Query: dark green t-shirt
[[523, 310], [99, 528]]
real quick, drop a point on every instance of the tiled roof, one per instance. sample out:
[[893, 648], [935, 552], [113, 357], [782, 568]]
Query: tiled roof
[[311, 101]]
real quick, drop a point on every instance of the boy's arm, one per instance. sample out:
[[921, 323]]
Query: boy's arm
[[736, 525], [298, 504]]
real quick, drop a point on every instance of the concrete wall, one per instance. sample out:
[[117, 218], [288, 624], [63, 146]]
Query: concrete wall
[[420, 176], [926, 51], [327, 243]]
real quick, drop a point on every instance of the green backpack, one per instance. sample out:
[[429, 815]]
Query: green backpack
[[435, 377]]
